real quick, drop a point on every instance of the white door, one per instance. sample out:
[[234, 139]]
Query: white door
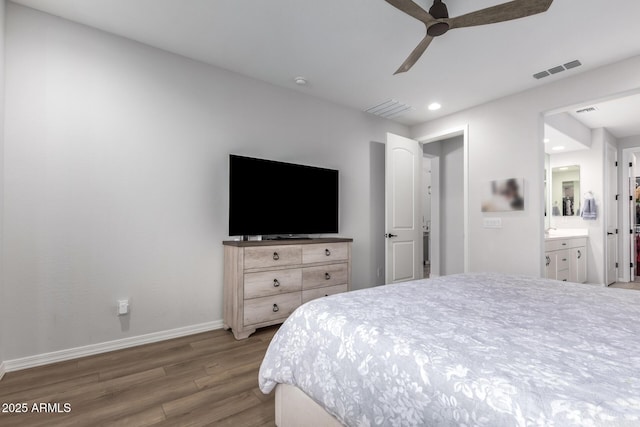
[[611, 205], [403, 221]]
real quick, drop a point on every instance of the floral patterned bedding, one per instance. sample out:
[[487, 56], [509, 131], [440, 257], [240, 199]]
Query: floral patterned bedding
[[471, 349]]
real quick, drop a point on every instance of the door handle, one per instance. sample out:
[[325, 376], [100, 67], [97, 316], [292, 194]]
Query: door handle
[[389, 235], [609, 234]]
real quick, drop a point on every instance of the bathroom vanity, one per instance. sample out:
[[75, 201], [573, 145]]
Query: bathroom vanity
[[566, 255]]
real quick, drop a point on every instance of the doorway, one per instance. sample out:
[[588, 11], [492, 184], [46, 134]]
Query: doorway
[[630, 214], [415, 239]]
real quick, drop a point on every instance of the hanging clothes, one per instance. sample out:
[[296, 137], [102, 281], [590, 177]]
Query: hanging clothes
[[637, 254]]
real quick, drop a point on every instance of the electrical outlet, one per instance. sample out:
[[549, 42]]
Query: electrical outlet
[[379, 271], [123, 307]]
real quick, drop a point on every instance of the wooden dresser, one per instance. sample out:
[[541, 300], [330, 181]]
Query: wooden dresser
[[265, 281]]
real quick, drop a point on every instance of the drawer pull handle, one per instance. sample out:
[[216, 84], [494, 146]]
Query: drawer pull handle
[[276, 308], [564, 244], [326, 295], [276, 256], [564, 259], [327, 252], [548, 260], [579, 254], [276, 283], [327, 276], [564, 280]]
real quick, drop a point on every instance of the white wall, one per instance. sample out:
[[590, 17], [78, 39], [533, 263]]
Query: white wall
[[2, 297], [116, 180], [505, 141]]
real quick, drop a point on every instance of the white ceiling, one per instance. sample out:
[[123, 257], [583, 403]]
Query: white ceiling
[[557, 138], [348, 50], [621, 116]]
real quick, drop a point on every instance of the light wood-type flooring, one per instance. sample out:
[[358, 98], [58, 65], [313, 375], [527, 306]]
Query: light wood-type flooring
[[203, 379]]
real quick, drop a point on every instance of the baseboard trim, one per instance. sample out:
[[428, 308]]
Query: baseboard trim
[[2, 370], [89, 350]]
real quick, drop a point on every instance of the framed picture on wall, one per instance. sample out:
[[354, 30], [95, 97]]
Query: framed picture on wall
[[504, 195]]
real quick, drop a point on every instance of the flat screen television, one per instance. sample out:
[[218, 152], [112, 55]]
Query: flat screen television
[[275, 198]]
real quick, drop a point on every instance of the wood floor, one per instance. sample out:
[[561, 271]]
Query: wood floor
[[203, 379], [630, 285]]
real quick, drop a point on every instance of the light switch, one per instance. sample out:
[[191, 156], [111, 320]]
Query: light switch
[[492, 222]]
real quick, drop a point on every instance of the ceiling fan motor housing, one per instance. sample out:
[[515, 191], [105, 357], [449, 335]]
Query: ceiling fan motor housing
[[438, 11], [438, 29]]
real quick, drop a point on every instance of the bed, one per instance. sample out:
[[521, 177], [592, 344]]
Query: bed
[[473, 349]]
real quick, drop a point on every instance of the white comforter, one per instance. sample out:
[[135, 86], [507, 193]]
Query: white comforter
[[476, 349]]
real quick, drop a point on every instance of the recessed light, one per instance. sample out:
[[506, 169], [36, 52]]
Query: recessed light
[[434, 106], [558, 148], [546, 140], [300, 81]]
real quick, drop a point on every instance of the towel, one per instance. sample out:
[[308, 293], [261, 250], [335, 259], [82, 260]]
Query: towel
[[589, 210]]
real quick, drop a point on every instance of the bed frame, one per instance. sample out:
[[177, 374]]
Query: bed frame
[[295, 409]]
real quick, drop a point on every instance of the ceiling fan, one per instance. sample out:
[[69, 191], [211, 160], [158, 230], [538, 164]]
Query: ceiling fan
[[438, 22]]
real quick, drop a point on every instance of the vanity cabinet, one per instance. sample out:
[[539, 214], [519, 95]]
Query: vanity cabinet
[[566, 259]]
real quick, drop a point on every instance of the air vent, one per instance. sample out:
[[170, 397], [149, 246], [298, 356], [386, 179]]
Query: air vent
[[388, 109], [557, 69], [586, 110], [572, 64]]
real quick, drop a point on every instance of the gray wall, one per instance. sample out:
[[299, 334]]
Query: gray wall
[[452, 206], [116, 181]]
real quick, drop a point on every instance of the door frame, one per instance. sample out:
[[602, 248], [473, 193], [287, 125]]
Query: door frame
[[627, 238], [434, 229], [439, 136], [611, 201]]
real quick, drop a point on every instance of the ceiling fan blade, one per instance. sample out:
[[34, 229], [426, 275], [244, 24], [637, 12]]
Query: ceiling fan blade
[[500, 13], [415, 55], [411, 8]]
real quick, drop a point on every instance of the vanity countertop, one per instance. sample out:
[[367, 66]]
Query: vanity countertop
[[566, 233]]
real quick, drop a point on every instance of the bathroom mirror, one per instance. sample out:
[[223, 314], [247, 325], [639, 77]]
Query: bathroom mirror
[[566, 196]]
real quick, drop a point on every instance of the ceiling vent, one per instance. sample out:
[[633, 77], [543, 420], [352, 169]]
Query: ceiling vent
[[557, 69], [586, 110], [389, 109]]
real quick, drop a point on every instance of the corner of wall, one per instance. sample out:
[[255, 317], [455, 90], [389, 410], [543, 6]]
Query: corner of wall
[[2, 299]]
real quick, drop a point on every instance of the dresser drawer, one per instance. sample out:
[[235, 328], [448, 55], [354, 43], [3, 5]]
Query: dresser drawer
[[562, 261], [273, 282], [323, 252], [260, 310], [325, 275], [312, 294], [563, 275], [554, 245], [272, 256]]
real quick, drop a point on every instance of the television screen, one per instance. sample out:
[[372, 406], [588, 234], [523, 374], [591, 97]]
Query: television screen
[[275, 198]]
